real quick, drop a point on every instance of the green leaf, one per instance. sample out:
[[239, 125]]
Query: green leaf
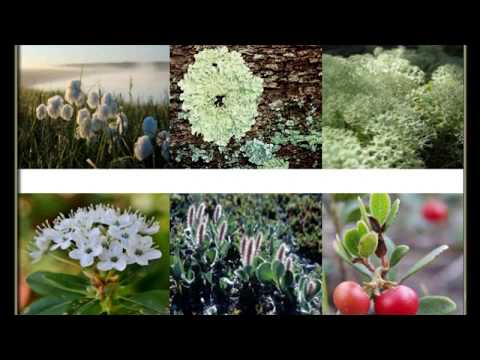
[[150, 302], [351, 238], [278, 270], [363, 211], [65, 286], [344, 197], [189, 276], [436, 305], [177, 269], [287, 281], [225, 283], [342, 248], [398, 254], [380, 205], [392, 214], [362, 228], [264, 272], [338, 247], [424, 262], [368, 244], [353, 215], [91, 307], [257, 260], [243, 275], [211, 256], [209, 277], [49, 305]]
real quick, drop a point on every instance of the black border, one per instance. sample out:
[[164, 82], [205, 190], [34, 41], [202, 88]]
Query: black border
[[185, 327]]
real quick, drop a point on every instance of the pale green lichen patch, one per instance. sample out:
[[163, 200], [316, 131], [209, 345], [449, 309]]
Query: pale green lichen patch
[[258, 152], [220, 95]]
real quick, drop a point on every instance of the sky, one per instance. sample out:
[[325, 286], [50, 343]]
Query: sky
[[34, 56]]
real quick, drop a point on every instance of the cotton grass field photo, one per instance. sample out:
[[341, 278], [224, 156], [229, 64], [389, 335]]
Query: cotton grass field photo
[[93, 107]]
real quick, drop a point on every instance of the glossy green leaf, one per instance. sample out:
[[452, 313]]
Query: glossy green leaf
[[436, 305], [65, 286], [287, 281], [49, 305], [368, 244], [278, 270], [363, 211], [150, 302], [91, 307], [342, 248], [424, 262], [264, 272], [351, 238], [338, 247], [392, 214], [398, 254], [362, 228], [380, 205]]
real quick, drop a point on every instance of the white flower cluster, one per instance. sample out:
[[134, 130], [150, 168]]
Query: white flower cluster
[[100, 235], [220, 95], [89, 125]]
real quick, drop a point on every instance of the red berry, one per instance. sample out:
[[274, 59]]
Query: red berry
[[400, 300], [351, 299], [435, 211]]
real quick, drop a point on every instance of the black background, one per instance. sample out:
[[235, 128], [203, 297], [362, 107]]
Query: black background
[[399, 23]]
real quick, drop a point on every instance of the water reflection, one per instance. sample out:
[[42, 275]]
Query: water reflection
[[132, 81]]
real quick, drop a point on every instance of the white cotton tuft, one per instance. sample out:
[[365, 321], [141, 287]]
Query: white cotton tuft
[[103, 112], [150, 126], [66, 112], [73, 93], [143, 148], [97, 123], [84, 129], [54, 105], [109, 100], [41, 112], [83, 115], [122, 124], [93, 99]]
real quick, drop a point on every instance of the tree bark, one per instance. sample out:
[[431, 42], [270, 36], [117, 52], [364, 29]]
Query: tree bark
[[291, 74]]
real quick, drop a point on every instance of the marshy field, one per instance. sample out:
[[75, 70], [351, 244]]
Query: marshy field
[[137, 91]]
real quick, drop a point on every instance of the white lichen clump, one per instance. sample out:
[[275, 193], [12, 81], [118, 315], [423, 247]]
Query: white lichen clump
[[220, 95], [100, 236]]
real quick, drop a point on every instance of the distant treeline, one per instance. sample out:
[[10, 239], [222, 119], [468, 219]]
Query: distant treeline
[[347, 50]]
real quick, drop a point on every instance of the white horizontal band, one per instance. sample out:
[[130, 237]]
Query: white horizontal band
[[240, 181]]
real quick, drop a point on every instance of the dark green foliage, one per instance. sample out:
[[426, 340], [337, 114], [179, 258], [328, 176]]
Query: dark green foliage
[[239, 273]]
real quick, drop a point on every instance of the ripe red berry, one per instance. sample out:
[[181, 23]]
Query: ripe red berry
[[435, 211], [400, 300], [351, 299]]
